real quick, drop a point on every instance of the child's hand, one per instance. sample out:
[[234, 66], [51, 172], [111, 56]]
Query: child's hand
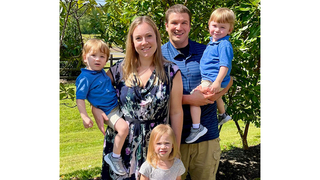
[[87, 122], [215, 87], [203, 90]]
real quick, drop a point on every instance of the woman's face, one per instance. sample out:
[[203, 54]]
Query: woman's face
[[144, 39]]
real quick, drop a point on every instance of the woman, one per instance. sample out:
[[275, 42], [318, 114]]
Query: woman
[[144, 82]]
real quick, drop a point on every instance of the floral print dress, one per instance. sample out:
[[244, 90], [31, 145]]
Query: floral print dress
[[143, 109]]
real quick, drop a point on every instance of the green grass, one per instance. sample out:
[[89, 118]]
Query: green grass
[[230, 137], [81, 149]]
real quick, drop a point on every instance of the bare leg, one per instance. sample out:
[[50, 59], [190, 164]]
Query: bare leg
[[195, 114], [220, 105], [123, 129]]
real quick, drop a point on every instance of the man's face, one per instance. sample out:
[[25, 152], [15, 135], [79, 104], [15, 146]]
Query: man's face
[[178, 28]]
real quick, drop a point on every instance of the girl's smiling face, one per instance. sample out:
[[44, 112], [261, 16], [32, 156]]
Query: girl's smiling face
[[163, 146]]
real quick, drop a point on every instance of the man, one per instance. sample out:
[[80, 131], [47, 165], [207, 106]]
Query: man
[[201, 158]]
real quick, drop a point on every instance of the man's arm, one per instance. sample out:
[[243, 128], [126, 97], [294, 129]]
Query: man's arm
[[199, 99]]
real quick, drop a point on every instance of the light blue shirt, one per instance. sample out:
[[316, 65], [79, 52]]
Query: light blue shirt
[[217, 54]]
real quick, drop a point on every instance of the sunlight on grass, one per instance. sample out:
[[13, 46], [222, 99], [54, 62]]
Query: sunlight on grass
[[230, 137], [81, 149]]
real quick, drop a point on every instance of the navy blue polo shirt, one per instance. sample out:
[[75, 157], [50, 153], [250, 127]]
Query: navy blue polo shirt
[[191, 78]]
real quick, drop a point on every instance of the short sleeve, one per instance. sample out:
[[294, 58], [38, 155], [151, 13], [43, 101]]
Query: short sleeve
[[181, 168], [225, 54], [146, 169], [82, 87]]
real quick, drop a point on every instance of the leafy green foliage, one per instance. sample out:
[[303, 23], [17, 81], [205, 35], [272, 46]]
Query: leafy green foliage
[[244, 97], [111, 21]]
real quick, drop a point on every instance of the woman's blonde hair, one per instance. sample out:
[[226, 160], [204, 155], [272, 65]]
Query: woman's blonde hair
[[95, 45], [131, 61], [156, 134], [223, 15]]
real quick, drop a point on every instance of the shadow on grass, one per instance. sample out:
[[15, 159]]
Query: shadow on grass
[[83, 174]]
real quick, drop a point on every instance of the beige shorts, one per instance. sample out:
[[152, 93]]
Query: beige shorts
[[114, 116], [206, 83]]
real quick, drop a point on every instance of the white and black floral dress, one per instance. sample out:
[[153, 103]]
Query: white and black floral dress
[[143, 108]]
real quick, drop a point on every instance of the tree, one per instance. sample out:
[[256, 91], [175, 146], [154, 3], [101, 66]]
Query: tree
[[243, 98], [111, 22]]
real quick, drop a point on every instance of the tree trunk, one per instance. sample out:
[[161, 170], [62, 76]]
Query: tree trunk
[[243, 135], [65, 23]]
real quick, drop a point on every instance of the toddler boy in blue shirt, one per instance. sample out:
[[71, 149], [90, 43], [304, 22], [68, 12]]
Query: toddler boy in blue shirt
[[94, 85], [215, 66]]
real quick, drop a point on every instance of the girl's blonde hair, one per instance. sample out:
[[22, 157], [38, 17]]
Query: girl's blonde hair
[[95, 45], [131, 60], [223, 15], [156, 133]]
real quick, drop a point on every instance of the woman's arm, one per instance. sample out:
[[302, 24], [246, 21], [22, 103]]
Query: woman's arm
[[176, 111]]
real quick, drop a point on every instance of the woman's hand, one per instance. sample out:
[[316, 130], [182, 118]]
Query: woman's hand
[[99, 115]]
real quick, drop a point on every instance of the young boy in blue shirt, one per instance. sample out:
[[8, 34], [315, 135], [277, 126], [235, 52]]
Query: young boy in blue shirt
[[94, 85], [215, 66]]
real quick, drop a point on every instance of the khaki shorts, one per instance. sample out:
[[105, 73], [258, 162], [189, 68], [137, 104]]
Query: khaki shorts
[[114, 116], [206, 83], [201, 159]]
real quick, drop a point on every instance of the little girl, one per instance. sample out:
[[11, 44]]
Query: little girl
[[163, 161]]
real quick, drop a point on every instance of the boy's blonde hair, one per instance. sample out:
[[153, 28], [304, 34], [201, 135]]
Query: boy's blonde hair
[[156, 134], [223, 15], [95, 45], [131, 60]]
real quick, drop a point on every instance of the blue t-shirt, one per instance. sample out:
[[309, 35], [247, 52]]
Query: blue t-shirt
[[191, 78], [96, 87], [219, 53]]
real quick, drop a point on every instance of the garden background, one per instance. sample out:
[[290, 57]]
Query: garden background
[[31, 131], [109, 21]]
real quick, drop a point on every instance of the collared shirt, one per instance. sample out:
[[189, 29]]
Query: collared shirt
[[191, 78], [96, 87], [189, 66], [217, 54]]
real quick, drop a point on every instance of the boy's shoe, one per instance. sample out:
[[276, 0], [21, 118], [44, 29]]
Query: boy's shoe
[[195, 134], [115, 164], [223, 118]]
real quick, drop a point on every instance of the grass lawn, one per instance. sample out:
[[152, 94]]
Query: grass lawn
[[81, 149]]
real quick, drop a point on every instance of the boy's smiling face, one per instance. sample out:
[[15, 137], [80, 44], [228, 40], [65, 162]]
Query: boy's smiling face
[[219, 30]]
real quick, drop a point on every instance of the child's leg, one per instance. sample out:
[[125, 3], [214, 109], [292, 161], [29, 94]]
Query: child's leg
[[223, 116], [123, 129], [220, 106], [195, 114]]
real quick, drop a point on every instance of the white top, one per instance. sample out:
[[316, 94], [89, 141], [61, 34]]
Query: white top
[[177, 169]]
